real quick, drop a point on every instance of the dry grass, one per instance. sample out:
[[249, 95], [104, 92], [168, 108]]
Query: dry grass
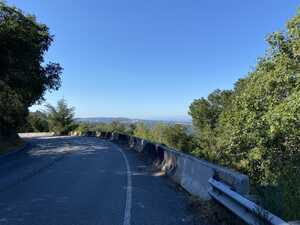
[[208, 212], [213, 213]]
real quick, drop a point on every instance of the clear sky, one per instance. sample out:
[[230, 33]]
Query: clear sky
[[152, 58]]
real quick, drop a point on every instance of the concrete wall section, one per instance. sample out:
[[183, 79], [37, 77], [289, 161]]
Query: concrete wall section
[[194, 174], [32, 135]]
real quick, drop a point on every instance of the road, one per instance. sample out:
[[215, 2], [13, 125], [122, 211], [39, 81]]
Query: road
[[85, 181]]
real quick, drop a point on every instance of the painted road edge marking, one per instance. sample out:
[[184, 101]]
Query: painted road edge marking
[[127, 213]]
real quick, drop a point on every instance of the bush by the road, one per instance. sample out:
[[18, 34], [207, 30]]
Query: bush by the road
[[174, 136]]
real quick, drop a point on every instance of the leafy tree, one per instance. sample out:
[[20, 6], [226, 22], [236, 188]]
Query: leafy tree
[[61, 117], [85, 127], [130, 128], [158, 133], [142, 131], [116, 126], [176, 136], [38, 122], [100, 127], [205, 114], [24, 76]]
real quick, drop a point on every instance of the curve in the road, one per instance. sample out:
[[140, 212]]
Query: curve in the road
[[128, 206], [96, 183]]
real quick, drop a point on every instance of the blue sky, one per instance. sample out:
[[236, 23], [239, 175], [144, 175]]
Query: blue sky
[[151, 59]]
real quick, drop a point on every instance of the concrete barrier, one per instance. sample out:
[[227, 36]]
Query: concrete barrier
[[123, 138], [191, 173], [104, 135], [36, 134], [137, 143]]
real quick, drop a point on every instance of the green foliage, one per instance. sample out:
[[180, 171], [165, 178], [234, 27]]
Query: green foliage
[[36, 122], [174, 136], [24, 76], [114, 126], [256, 127], [60, 118], [205, 114], [142, 131], [130, 129], [83, 128], [12, 110]]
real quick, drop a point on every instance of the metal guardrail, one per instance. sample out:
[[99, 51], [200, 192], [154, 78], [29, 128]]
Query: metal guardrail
[[245, 209]]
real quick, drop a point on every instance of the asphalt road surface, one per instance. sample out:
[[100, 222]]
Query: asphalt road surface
[[85, 181]]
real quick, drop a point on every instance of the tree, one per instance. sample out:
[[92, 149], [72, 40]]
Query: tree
[[142, 131], [24, 76], [158, 133], [37, 122], [83, 127], [205, 114], [116, 126], [130, 128], [60, 118], [176, 136]]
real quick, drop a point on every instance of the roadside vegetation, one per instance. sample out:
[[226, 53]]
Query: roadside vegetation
[[213, 213], [255, 128]]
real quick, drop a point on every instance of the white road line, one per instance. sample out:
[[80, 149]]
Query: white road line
[[127, 213]]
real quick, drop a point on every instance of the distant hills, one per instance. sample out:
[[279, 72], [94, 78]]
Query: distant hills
[[131, 121]]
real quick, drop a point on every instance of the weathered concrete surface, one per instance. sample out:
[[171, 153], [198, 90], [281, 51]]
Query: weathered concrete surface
[[191, 173], [84, 181], [36, 134]]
